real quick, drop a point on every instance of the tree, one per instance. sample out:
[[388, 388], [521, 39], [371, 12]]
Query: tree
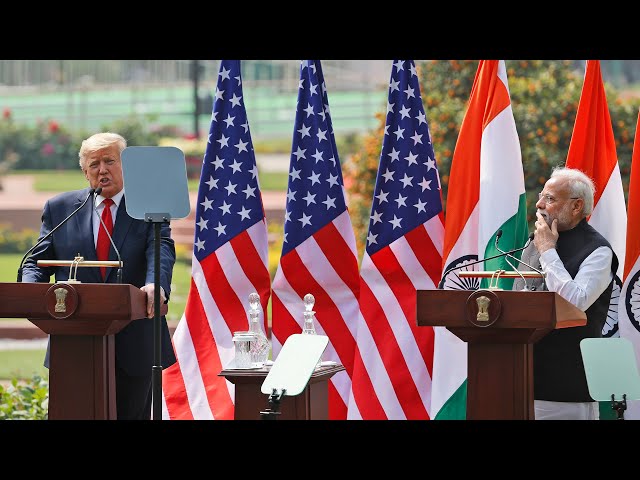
[[544, 98]]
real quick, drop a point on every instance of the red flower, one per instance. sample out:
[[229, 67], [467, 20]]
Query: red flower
[[53, 126], [47, 149], [6, 113], [190, 136]]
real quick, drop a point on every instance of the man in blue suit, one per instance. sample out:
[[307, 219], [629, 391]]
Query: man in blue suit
[[100, 160]]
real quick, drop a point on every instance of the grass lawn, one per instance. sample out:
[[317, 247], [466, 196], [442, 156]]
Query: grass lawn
[[22, 364], [9, 263], [63, 180]]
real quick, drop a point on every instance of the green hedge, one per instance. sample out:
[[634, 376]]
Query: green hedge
[[25, 400], [544, 99], [51, 146], [12, 241]]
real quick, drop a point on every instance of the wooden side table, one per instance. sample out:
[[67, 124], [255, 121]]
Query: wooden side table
[[311, 404]]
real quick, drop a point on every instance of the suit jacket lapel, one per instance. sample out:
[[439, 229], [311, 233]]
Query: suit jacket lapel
[[84, 229]]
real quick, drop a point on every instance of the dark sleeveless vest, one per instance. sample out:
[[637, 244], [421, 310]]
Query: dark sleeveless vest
[[558, 370]]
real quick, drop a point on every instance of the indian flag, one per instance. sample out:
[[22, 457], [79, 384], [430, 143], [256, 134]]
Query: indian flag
[[486, 194], [593, 150], [629, 311]]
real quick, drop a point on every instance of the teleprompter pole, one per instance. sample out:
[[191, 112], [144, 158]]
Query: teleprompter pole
[[156, 372]]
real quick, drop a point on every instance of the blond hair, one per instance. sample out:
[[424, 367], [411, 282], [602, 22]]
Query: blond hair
[[99, 141]]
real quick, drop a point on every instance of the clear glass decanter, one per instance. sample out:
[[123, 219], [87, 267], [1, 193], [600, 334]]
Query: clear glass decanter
[[309, 327], [259, 348]]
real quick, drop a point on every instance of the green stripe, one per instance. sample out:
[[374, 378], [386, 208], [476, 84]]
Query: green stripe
[[515, 232], [456, 407]]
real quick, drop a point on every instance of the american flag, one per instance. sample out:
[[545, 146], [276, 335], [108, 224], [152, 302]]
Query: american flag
[[229, 262], [319, 250], [394, 357]]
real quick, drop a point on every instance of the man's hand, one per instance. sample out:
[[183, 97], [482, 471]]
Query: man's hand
[[545, 238], [149, 290]]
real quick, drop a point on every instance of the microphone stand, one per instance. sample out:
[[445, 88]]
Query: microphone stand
[[19, 279], [498, 235], [455, 267]]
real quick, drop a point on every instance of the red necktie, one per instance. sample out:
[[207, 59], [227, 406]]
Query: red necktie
[[103, 245]]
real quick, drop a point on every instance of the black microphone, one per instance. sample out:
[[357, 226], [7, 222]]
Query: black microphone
[[455, 267], [531, 235], [51, 233], [498, 235], [119, 272]]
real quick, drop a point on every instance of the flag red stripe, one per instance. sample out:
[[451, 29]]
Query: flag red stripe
[[337, 406], [286, 325], [405, 292], [364, 392], [327, 313], [232, 311], [389, 350], [339, 255], [426, 252], [251, 263], [177, 406], [207, 355]]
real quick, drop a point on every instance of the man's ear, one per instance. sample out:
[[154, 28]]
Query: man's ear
[[579, 206]]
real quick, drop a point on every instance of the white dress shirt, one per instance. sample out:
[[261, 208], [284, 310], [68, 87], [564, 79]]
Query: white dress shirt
[[97, 212], [592, 278]]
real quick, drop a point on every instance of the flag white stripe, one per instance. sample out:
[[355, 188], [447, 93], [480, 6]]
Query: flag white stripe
[[435, 229], [323, 272], [499, 152], [410, 264], [343, 224], [313, 257], [190, 369], [258, 234], [377, 371], [610, 221], [400, 327], [236, 277], [628, 331], [219, 329]]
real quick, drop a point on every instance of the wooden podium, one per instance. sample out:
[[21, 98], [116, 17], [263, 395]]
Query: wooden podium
[[500, 328], [81, 319], [311, 404]]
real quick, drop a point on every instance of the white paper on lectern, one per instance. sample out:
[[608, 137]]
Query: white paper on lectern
[[295, 364]]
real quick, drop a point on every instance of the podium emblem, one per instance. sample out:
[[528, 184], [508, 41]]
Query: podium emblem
[[483, 308], [61, 296], [61, 300]]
